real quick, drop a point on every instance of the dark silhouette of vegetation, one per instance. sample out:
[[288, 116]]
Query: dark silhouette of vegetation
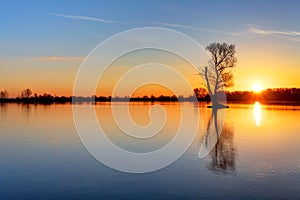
[[218, 73], [25, 94], [3, 94], [202, 94], [277, 95]]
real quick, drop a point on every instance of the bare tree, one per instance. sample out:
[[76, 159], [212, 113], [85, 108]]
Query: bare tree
[[3, 94], [26, 93], [218, 72]]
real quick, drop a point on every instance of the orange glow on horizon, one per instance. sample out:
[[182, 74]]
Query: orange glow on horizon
[[269, 64]]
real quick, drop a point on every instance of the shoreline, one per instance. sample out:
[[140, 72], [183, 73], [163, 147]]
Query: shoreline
[[188, 100]]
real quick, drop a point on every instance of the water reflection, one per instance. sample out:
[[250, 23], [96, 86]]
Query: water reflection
[[218, 143], [213, 131], [257, 113], [26, 112], [224, 152], [3, 110], [262, 163]]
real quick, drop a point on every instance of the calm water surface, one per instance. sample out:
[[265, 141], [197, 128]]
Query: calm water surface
[[256, 157]]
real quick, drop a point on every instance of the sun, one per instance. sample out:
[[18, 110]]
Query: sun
[[257, 87]]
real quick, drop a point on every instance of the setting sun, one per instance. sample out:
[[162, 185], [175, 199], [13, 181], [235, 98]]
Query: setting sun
[[257, 87]]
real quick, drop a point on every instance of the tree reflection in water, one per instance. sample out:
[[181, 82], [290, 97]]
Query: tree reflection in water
[[218, 144], [26, 112], [224, 152], [3, 110]]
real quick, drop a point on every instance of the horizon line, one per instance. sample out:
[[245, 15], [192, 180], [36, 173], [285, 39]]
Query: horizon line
[[144, 95]]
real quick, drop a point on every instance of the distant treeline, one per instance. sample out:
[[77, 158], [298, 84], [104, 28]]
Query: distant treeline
[[278, 94], [47, 99]]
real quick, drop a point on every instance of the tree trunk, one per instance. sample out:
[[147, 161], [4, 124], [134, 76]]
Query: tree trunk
[[213, 97], [214, 101]]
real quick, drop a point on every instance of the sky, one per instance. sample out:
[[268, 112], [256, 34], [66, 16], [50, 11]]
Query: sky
[[43, 43]]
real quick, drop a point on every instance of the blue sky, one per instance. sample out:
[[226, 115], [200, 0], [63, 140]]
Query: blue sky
[[72, 28], [33, 25]]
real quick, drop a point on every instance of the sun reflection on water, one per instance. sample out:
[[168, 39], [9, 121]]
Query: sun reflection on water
[[257, 114]]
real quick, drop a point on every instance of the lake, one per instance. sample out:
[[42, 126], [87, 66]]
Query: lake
[[255, 157]]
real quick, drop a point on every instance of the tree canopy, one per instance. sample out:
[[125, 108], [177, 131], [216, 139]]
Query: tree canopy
[[218, 73]]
